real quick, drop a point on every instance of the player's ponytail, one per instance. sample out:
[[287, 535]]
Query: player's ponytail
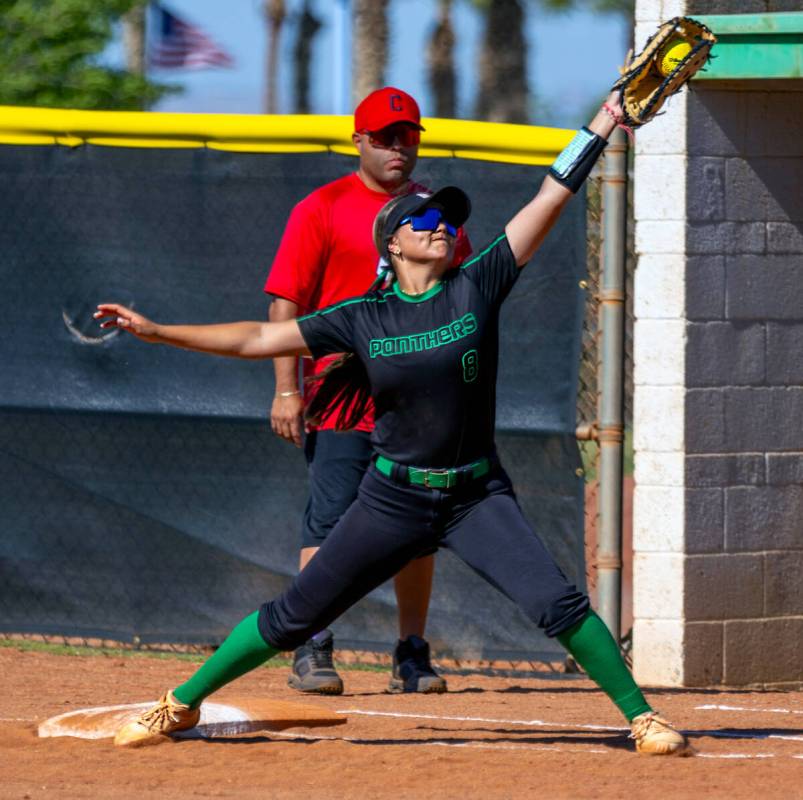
[[343, 385]]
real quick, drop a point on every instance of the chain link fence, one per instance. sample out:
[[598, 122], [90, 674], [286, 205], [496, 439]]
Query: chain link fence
[[115, 457], [243, 512], [74, 513]]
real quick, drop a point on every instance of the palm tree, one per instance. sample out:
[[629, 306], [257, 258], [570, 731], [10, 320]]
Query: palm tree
[[370, 46], [503, 94], [275, 13], [308, 26], [440, 59]]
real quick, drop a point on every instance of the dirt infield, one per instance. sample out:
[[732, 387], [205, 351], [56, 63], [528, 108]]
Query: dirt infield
[[490, 737]]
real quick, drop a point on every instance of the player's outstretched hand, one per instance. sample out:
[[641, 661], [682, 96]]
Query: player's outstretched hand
[[117, 316]]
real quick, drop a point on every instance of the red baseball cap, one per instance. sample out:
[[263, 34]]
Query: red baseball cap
[[384, 107]]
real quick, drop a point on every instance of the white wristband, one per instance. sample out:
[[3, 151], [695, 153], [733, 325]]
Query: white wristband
[[289, 394]]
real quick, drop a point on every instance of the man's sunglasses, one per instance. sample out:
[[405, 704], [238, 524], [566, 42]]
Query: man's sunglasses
[[428, 220], [407, 135]]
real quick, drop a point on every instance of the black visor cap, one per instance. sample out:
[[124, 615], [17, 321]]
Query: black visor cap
[[454, 203]]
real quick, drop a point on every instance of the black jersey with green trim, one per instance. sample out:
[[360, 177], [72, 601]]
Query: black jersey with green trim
[[431, 359]]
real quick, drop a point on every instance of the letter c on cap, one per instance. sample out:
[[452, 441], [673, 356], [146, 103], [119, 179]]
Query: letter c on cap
[[396, 103]]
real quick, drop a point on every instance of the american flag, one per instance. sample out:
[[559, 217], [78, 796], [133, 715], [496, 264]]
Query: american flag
[[178, 44]]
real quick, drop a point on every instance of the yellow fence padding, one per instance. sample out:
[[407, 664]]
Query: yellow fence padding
[[291, 133]]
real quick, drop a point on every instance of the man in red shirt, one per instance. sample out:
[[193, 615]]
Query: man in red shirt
[[327, 255]]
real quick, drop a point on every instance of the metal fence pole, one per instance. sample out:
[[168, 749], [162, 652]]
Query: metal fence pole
[[611, 380]]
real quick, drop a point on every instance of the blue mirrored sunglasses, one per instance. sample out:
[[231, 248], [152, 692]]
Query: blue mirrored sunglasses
[[428, 220]]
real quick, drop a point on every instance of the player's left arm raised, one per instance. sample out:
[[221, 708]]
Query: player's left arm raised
[[670, 59], [528, 229], [234, 339]]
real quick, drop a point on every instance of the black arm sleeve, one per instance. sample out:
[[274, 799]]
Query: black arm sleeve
[[575, 163]]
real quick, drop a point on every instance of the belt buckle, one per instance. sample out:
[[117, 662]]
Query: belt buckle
[[440, 472]]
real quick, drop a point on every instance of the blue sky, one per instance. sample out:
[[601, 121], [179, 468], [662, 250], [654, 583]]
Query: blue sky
[[573, 58]]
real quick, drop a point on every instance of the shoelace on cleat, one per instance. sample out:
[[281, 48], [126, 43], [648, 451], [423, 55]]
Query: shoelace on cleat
[[158, 716], [642, 725]]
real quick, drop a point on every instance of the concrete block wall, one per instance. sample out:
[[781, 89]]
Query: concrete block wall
[[744, 387], [718, 428]]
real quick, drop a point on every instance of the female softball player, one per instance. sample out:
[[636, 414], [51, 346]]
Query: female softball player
[[427, 350]]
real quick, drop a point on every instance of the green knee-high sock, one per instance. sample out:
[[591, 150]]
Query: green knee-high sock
[[594, 649], [243, 650]]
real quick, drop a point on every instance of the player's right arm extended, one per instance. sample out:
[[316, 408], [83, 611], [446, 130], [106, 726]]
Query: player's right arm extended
[[234, 339]]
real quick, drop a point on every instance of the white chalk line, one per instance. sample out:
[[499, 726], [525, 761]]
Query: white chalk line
[[543, 724], [17, 719], [727, 735], [751, 710], [497, 746], [435, 743], [739, 755], [531, 723]]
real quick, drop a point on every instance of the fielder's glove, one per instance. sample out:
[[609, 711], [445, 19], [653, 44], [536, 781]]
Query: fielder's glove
[[644, 86]]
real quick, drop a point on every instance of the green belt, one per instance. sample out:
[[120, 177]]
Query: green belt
[[436, 478]]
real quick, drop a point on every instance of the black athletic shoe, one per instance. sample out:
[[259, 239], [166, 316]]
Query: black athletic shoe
[[313, 670], [412, 669]]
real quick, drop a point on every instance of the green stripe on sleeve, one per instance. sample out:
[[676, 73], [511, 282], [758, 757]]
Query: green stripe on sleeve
[[486, 250]]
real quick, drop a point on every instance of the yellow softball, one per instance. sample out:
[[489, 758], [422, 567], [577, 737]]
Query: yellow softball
[[671, 55]]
